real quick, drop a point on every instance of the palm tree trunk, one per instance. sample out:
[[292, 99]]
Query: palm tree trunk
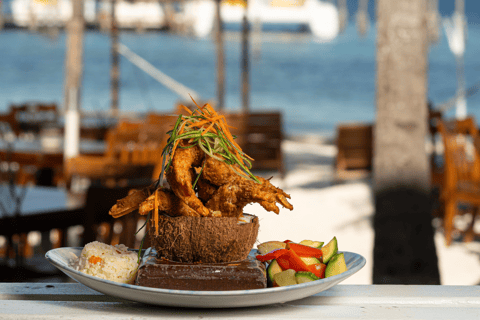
[[404, 250]]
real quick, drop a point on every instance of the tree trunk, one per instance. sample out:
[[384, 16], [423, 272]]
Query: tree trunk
[[404, 249]]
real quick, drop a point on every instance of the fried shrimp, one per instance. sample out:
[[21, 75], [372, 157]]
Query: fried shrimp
[[167, 202], [231, 198], [130, 203], [180, 176]]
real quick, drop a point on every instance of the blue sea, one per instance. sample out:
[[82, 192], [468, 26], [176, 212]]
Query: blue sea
[[316, 85]]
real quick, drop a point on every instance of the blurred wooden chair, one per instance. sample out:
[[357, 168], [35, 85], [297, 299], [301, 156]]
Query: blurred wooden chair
[[461, 183], [133, 154], [354, 150], [465, 127], [261, 136]]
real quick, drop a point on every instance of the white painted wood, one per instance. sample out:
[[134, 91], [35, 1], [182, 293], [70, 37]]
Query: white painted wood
[[75, 301]]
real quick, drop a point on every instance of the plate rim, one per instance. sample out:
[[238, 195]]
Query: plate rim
[[49, 255]]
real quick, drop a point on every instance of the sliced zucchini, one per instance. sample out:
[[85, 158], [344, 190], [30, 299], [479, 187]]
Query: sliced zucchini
[[336, 265], [266, 247], [310, 260], [313, 244], [329, 250], [305, 276], [285, 278], [272, 269]]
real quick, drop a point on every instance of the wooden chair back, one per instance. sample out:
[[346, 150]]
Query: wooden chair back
[[354, 147], [133, 153], [262, 139], [462, 162]]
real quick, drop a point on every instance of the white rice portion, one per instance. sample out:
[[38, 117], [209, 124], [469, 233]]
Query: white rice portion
[[108, 262]]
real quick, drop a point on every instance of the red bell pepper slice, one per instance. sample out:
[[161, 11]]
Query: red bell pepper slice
[[271, 255], [304, 251], [318, 269], [290, 260]]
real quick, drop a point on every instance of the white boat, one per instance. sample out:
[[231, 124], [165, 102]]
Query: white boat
[[320, 16], [47, 13], [133, 15]]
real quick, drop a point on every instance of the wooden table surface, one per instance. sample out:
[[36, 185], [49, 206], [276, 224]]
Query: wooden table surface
[[75, 301]]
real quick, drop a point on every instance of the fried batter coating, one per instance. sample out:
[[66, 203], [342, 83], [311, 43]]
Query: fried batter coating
[[221, 191], [217, 172], [205, 189], [180, 176], [230, 199], [168, 202]]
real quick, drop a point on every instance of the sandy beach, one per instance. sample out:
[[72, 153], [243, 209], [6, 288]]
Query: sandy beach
[[323, 209]]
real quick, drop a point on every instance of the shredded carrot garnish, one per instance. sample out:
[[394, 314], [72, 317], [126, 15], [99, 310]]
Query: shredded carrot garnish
[[186, 109], [199, 123], [208, 128]]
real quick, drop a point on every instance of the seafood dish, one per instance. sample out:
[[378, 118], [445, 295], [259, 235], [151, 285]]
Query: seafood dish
[[207, 172], [195, 211]]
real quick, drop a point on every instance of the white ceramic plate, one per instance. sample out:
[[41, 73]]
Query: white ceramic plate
[[63, 257]]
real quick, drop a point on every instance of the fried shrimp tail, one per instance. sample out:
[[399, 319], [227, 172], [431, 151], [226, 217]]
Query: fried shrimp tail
[[130, 203]]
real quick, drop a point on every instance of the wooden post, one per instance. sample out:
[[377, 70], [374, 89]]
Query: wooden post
[[342, 15], [461, 105], [220, 59], [74, 55], [404, 250], [115, 69], [2, 22], [245, 61], [74, 70], [363, 20], [433, 21]]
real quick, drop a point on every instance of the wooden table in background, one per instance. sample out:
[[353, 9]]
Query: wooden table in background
[[48, 159]]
